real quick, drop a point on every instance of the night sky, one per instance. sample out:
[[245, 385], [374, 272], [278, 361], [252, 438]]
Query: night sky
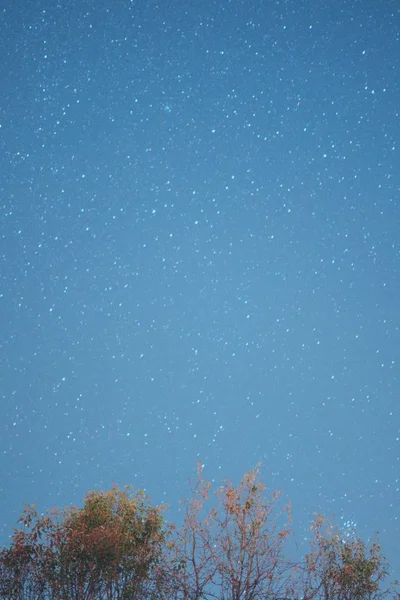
[[199, 250]]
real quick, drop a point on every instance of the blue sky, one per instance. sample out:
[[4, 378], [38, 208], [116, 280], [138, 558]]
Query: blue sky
[[200, 252]]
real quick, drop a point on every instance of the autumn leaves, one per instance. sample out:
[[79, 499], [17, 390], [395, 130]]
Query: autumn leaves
[[234, 544]]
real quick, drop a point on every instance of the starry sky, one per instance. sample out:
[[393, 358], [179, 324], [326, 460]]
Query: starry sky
[[199, 250]]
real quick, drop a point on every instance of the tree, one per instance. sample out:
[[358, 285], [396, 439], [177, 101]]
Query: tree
[[107, 549], [233, 545], [232, 550], [343, 568]]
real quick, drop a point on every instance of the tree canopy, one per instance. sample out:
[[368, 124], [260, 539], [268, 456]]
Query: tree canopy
[[233, 544]]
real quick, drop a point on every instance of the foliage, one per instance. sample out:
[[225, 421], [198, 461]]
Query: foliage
[[340, 568], [232, 545], [233, 550], [107, 549]]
